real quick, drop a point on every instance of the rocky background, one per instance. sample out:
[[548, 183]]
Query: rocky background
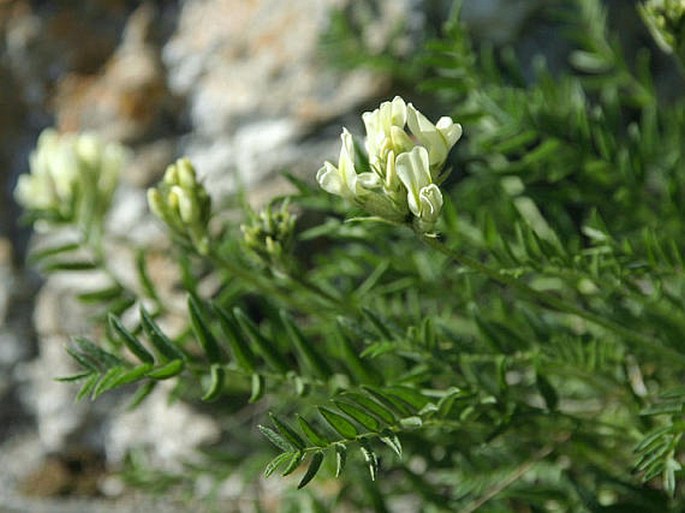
[[243, 88]]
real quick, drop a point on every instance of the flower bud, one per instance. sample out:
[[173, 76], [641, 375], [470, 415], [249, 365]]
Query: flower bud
[[183, 204], [430, 199], [156, 203], [269, 235], [186, 175], [666, 22], [171, 175]]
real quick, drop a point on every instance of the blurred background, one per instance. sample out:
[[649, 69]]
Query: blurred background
[[246, 89]]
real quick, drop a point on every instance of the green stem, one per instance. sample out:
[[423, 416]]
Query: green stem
[[555, 303], [273, 377]]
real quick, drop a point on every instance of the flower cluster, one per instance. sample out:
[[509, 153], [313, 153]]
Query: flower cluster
[[183, 204], [73, 178], [399, 180], [666, 21], [269, 234]]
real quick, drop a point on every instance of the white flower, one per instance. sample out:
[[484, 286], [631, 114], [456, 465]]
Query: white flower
[[100, 162], [364, 189], [341, 180], [53, 173], [403, 167], [423, 196], [438, 139], [386, 138], [34, 194], [54, 166], [69, 171], [379, 126]]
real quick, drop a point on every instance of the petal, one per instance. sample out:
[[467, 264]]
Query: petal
[[427, 134], [449, 130], [39, 163], [398, 112], [388, 114], [187, 176], [89, 148], [329, 179], [374, 135], [30, 192], [47, 144], [156, 202], [368, 181], [400, 141], [413, 171], [385, 116], [348, 174], [392, 182], [187, 206], [64, 170], [431, 202], [114, 157]]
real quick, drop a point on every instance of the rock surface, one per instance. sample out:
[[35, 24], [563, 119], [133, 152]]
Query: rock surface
[[17, 341], [170, 432], [127, 100]]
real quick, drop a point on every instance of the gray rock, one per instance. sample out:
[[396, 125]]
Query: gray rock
[[130, 220], [17, 342], [169, 432], [64, 425]]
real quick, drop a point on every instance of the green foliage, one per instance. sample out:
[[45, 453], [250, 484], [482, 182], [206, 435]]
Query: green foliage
[[349, 42], [526, 358]]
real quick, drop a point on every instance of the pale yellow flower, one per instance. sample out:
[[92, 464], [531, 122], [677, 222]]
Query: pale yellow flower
[[72, 177], [406, 156]]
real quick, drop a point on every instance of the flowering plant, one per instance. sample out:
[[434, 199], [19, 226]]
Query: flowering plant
[[528, 359]]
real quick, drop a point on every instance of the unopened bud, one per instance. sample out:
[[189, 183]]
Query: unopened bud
[[172, 200], [183, 204], [186, 174], [171, 175], [187, 207], [156, 203]]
